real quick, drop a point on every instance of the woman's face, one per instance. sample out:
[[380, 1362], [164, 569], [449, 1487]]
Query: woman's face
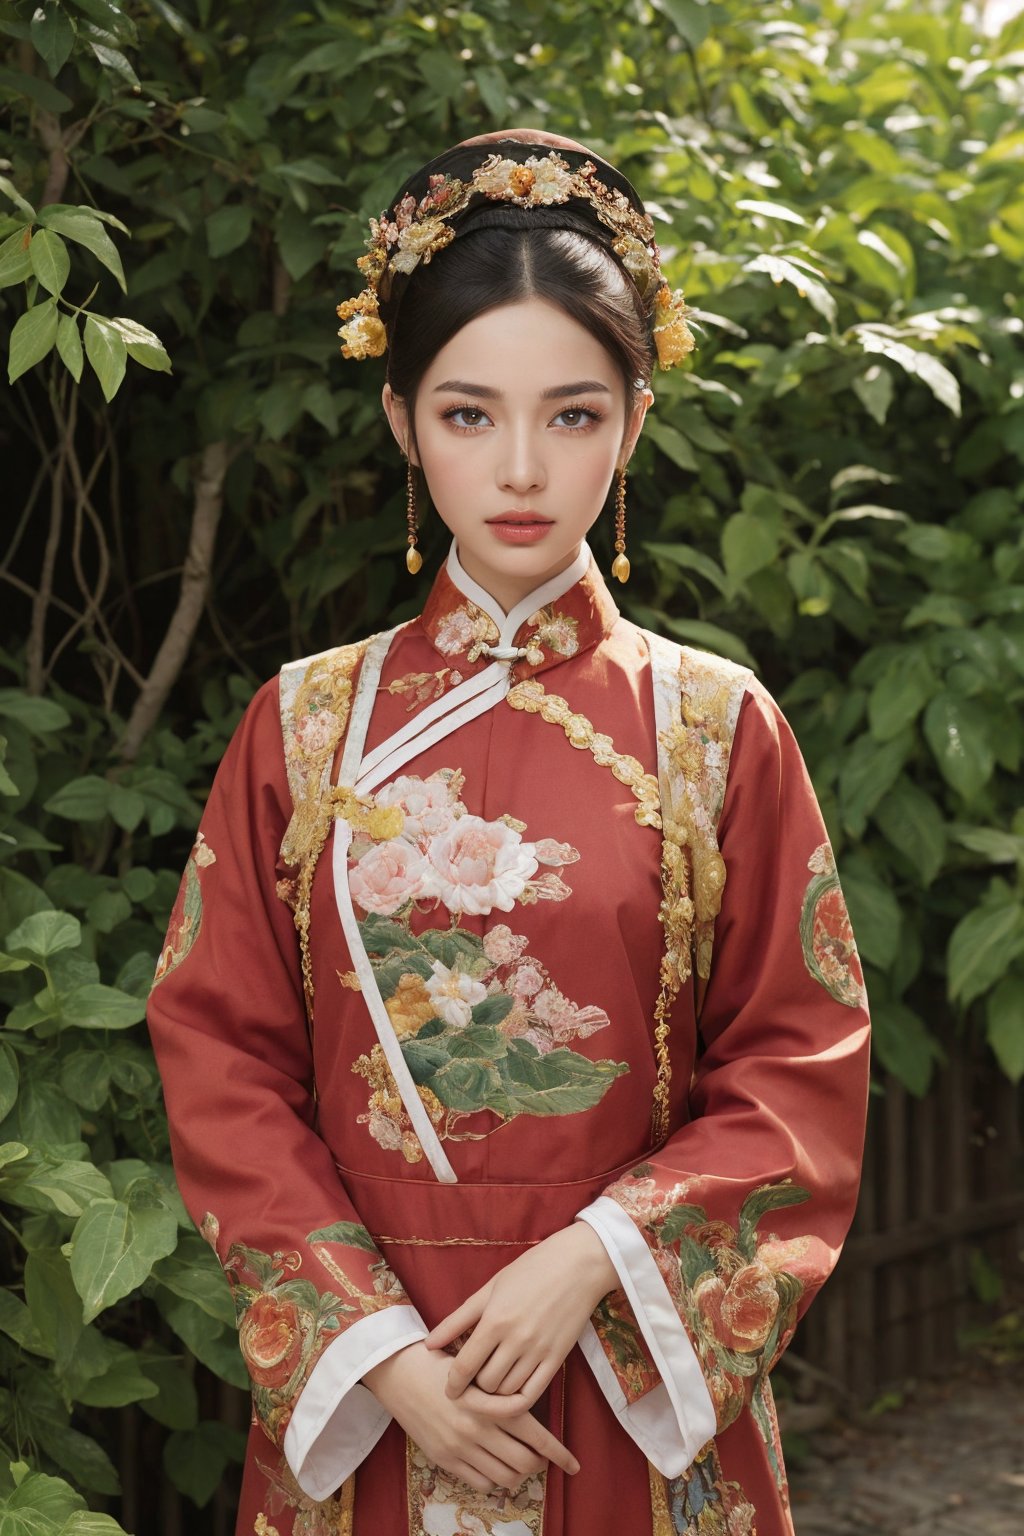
[[523, 412]]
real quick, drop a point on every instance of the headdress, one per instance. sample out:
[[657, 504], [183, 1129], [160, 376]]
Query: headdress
[[432, 208]]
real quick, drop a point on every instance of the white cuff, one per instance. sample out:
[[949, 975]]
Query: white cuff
[[677, 1418], [337, 1421]]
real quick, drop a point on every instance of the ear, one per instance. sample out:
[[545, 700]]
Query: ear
[[398, 417], [643, 404]]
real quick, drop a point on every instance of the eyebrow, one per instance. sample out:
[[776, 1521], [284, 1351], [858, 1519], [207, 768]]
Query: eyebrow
[[556, 392]]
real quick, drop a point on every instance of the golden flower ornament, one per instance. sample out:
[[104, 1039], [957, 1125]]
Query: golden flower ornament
[[418, 229]]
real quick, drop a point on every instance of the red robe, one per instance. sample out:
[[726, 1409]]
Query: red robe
[[494, 923]]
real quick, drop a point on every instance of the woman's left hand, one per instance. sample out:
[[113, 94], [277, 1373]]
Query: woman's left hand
[[525, 1321]]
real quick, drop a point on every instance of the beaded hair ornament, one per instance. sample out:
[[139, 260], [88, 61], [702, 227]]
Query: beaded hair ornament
[[418, 228]]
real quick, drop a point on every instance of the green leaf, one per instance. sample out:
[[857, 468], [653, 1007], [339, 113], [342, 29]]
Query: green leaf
[[982, 947], [691, 18], [95, 1006], [38, 715], [69, 346], [42, 1181], [113, 60], [900, 694], [957, 731], [672, 443], [689, 559], [874, 913], [106, 351], [39, 1506], [782, 271], [770, 210], [19, 86], [749, 543], [913, 824], [50, 260], [32, 338], [176, 1404], [53, 36], [228, 228], [143, 346], [85, 1462], [1004, 1018], [195, 1460], [83, 226], [869, 771], [194, 1275], [904, 1047], [920, 365], [115, 1245], [84, 799], [352, 1234], [15, 265], [45, 933], [17, 1323], [9, 1073]]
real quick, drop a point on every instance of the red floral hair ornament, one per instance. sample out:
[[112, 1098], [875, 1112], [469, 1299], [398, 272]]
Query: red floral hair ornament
[[419, 227]]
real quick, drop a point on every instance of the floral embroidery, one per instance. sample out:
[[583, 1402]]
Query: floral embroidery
[[424, 686], [481, 1023], [466, 628], [284, 1325], [700, 1502], [615, 1325], [328, 1517], [826, 935], [315, 700], [701, 698], [187, 916], [735, 1294], [440, 1502], [559, 632]]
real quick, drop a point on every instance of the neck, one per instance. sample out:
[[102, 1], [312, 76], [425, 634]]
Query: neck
[[506, 588]]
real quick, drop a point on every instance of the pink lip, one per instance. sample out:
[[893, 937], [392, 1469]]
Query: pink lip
[[520, 517]]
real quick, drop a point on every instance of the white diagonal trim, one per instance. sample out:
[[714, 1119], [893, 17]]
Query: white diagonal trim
[[414, 1108]]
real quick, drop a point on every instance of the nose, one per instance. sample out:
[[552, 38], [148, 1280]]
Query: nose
[[521, 466]]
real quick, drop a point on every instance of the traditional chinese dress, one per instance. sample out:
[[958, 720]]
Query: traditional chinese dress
[[495, 923]]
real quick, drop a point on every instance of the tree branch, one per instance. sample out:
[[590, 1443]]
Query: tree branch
[[195, 577]]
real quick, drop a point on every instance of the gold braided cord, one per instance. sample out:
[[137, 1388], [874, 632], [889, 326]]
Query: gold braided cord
[[464, 1242], [530, 696]]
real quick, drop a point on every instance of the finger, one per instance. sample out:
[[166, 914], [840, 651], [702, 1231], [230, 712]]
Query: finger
[[525, 1369], [503, 1362], [494, 1405], [471, 1359], [449, 1328], [532, 1431], [501, 1474], [470, 1475], [529, 1391]]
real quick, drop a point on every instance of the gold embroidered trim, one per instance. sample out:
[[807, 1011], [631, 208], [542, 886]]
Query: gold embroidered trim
[[661, 1519], [531, 696], [314, 715], [465, 1242], [693, 761], [347, 1506]]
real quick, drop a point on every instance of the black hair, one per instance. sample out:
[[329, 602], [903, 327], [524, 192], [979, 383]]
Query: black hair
[[505, 255]]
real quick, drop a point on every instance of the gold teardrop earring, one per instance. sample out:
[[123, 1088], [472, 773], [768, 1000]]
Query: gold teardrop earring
[[413, 558], [620, 565]]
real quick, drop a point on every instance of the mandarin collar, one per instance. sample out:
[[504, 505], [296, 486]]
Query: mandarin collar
[[560, 618]]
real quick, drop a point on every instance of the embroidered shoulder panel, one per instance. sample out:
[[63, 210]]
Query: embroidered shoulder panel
[[697, 699]]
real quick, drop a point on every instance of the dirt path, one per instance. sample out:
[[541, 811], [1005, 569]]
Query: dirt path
[[949, 1462]]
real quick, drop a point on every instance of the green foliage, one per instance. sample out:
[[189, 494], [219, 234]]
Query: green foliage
[[831, 494]]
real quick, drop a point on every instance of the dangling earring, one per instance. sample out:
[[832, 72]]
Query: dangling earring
[[620, 565], [413, 558]]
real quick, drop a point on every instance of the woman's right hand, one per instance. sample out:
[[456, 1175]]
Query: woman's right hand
[[474, 1436]]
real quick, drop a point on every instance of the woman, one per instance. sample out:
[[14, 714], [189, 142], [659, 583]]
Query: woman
[[523, 1099]]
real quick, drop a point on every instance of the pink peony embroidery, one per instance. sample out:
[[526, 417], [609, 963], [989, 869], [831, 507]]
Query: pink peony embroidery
[[454, 994], [478, 865], [427, 804], [388, 876]]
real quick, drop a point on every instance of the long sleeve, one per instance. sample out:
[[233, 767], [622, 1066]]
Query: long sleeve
[[316, 1304], [723, 1237]]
